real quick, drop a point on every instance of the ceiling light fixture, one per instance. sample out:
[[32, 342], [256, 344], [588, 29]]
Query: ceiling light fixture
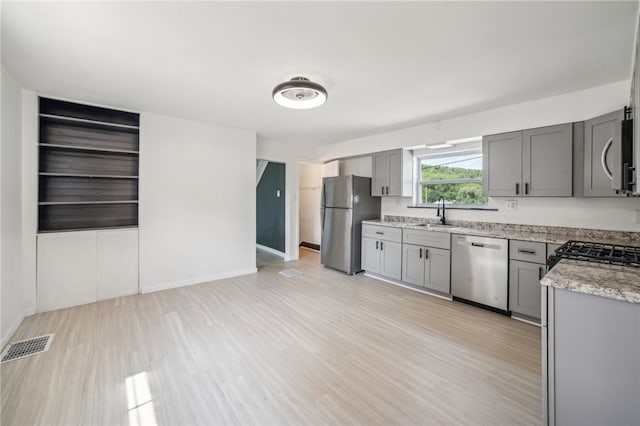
[[299, 93]]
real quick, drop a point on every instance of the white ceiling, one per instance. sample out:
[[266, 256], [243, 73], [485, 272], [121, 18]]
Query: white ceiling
[[385, 65]]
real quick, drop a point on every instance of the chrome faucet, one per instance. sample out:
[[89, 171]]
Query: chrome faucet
[[442, 218]]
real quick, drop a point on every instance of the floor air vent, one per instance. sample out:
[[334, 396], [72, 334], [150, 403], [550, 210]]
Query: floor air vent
[[290, 273], [26, 348]]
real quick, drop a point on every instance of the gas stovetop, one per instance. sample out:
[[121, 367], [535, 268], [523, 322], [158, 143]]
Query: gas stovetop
[[594, 252]]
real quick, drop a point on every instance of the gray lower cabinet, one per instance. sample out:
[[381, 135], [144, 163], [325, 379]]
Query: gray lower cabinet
[[526, 269], [529, 163], [391, 259], [426, 267], [600, 137], [370, 253], [382, 257], [591, 359], [524, 287]]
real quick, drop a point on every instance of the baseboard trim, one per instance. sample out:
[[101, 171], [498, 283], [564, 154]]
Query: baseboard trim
[[199, 280], [12, 330], [310, 246], [407, 286], [271, 250]]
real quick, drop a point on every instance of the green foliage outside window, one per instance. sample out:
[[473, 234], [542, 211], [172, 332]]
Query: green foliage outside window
[[453, 192]]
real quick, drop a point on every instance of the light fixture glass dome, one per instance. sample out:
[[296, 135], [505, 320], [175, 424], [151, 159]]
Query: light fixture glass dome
[[299, 93]]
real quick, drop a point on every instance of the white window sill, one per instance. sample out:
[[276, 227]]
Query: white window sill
[[454, 207]]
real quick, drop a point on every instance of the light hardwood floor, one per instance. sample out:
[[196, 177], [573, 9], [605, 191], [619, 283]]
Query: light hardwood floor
[[320, 348], [264, 258]]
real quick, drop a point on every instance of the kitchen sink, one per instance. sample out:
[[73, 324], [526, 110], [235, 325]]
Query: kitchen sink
[[431, 225]]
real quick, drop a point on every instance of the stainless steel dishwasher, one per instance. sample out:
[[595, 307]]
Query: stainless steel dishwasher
[[480, 270]]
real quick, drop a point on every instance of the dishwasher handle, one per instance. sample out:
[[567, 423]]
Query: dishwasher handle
[[477, 244]]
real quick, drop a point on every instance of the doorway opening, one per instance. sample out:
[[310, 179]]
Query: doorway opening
[[270, 212], [309, 207]]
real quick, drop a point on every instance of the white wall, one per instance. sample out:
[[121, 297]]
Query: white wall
[[597, 213], [29, 197], [310, 189], [614, 214], [197, 202], [11, 307], [574, 106], [357, 166]]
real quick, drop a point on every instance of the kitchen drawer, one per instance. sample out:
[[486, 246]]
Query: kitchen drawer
[[427, 238], [527, 251], [382, 233]]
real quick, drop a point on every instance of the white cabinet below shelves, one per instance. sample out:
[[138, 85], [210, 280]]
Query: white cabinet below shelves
[[66, 272], [75, 268], [117, 263]]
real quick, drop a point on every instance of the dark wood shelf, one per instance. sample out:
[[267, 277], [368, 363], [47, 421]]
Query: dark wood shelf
[[72, 203], [87, 121], [87, 148], [87, 176]]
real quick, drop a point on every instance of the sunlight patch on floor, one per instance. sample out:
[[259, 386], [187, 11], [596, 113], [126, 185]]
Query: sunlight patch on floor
[[139, 401]]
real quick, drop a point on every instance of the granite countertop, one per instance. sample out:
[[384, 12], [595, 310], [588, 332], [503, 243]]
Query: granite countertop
[[496, 232], [610, 281]]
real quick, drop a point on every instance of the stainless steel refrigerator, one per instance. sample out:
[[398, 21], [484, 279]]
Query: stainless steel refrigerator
[[346, 202]]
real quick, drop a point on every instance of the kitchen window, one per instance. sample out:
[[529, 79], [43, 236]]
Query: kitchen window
[[456, 176]]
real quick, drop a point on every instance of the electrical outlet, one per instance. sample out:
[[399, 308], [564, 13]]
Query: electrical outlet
[[511, 205]]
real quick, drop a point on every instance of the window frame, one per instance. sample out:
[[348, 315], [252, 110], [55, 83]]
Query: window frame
[[420, 183]]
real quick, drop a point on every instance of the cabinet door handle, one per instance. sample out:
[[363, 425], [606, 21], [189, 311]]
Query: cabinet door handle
[[382, 190], [517, 188], [387, 190], [526, 251], [380, 245], [603, 158], [541, 273], [420, 253], [426, 253], [477, 244], [377, 243], [379, 233], [526, 188]]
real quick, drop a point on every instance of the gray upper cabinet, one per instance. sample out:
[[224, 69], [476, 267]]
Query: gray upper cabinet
[[547, 161], [502, 164], [392, 173], [535, 163], [600, 137], [380, 179]]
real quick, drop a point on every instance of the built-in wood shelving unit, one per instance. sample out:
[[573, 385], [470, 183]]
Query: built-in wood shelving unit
[[88, 167]]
